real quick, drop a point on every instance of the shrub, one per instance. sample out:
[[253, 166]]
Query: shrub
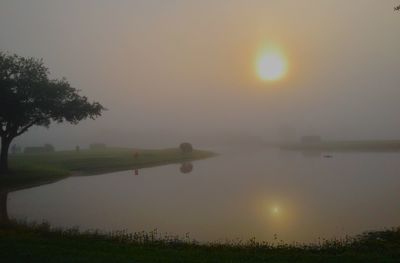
[[186, 147]]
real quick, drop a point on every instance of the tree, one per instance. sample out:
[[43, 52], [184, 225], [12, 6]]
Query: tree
[[28, 97], [186, 147], [397, 8]]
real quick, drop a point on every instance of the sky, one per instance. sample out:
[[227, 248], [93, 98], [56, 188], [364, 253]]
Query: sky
[[176, 70]]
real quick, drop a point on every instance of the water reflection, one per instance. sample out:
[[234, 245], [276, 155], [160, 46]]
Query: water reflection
[[234, 195], [275, 210], [186, 168], [311, 153]]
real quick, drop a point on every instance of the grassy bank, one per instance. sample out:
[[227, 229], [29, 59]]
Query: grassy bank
[[39, 243], [370, 145], [35, 169]]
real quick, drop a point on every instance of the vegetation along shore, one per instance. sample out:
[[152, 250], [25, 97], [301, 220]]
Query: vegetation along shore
[[40, 243], [39, 168]]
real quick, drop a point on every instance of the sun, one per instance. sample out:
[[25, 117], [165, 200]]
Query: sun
[[271, 65]]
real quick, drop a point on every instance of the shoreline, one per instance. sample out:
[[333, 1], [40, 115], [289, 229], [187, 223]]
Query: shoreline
[[344, 146], [22, 242], [31, 170]]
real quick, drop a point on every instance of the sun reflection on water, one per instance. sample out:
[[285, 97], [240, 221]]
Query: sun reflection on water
[[275, 210]]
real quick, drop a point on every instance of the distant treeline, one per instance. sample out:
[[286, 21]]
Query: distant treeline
[[47, 148], [367, 145]]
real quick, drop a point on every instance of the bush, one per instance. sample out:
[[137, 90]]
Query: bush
[[186, 147]]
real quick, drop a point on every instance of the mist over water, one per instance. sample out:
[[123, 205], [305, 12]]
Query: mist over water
[[186, 69]]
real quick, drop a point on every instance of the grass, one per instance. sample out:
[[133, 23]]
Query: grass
[[35, 169], [40, 243], [370, 145]]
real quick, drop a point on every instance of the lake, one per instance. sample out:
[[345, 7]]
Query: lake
[[268, 194]]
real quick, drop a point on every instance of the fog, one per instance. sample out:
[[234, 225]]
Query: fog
[[170, 71]]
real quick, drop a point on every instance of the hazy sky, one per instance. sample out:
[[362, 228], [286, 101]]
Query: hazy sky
[[187, 67]]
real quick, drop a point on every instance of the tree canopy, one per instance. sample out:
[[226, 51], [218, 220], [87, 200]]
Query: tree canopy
[[28, 97]]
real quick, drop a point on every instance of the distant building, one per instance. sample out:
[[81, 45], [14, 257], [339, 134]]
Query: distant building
[[287, 133], [311, 139]]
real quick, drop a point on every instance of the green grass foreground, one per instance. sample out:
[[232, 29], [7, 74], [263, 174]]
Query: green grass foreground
[[35, 169], [40, 243]]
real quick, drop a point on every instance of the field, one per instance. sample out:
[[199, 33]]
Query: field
[[35, 169], [40, 243]]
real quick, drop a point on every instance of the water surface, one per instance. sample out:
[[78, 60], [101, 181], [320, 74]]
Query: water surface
[[252, 193]]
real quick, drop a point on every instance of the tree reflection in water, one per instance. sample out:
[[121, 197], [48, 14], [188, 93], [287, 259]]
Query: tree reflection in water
[[186, 168]]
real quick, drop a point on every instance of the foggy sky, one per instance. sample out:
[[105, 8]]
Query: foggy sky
[[172, 70]]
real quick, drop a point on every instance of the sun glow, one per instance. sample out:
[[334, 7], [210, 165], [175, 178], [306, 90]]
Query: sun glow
[[271, 65]]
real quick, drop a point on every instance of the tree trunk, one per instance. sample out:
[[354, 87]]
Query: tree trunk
[[3, 208], [5, 145]]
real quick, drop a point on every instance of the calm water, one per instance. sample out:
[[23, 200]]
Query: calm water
[[297, 196]]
